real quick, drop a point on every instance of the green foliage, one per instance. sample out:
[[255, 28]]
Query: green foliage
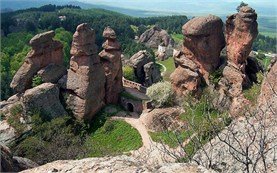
[[178, 38], [115, 137], [215, 76], [253, 92], [14, 118], [161, 94], [128, 73], [265, 44], [36, 81], [170, 138], [170, 67]]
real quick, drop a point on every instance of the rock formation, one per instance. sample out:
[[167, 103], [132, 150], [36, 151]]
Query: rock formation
[[203, 42], [9, 163], [111, 61], [86, 77], [156, 36], [241, 30], [45, 99], [145, 69], [44, 51], [118, 164]]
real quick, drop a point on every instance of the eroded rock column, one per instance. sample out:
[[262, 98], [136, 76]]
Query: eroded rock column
[[111, 60], [86, 77]]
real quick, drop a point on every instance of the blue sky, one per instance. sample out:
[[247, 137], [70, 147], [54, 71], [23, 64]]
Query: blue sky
[[266, 7]]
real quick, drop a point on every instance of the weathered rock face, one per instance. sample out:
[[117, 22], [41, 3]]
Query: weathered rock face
[[44, 51], [86, 77], [152, 74], [110, 58], [43, 98], [241, 30], [145, 69], [160, 120], [155, 36], [52, 73], [203, 42], [14, 164], [240, 72], [118, 164]]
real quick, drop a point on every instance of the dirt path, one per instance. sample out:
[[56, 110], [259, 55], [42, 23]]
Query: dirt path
[[164, 67]]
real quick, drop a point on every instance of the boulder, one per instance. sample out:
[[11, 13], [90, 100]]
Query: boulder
[[152, 74], [203, 42], [44, 51], [241, 31], [111, 60], [185, 81], [14, 164], [45, 99], [159, 120], [85, 81], [52, 73], [155, 36]]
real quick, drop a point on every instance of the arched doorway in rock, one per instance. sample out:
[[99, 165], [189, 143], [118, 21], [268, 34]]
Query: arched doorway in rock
[[130, 107]]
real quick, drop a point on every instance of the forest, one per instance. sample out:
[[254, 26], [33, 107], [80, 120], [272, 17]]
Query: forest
[[18, 27]]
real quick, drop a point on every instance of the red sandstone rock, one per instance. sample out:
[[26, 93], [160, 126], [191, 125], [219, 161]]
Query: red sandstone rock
[[241, 30], [86, 78], [111, 60], [44, 51], [203, 42]]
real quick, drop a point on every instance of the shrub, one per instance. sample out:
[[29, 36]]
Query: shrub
[[36, 81], [14, 118], [128, 73], [161, 94]]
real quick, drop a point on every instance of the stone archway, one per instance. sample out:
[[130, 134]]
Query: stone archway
[[130, 107]]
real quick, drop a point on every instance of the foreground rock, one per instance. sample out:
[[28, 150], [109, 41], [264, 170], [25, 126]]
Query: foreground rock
[[111, 61], [44, 51], [145, 69], [249, 138], [118, 164], [86, 77], [14, 164], [156, 36]]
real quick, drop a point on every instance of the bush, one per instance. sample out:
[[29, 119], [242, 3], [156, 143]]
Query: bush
[[36, 81], [129, 74], [161, 94], [14, 119]]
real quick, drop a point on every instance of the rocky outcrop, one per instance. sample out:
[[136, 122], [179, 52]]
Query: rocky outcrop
[[241, 30], [156, 36], [203, 42], [52, 73], [118, 164], [110, 58], [160, 120], [240, 72], [145, 69], [45, 99], [86, 77], [44, 51], [9, 163]]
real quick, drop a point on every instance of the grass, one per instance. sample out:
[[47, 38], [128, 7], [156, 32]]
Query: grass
[[170, 67], [178, 38], [169, 138], [269, 34], [114, 137], [253, 92]]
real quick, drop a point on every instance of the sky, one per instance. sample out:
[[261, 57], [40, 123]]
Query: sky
[[266, 7]]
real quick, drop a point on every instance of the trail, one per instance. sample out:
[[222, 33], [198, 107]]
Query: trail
[[164, 68]]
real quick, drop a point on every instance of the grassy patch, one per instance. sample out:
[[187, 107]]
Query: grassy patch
[[170, 138], [113, 138], [268, 33], [170, 67], [253, 92], [178, 38]]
